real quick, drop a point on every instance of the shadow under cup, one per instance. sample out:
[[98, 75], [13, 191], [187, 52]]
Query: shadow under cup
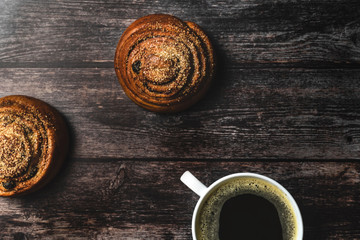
[[254, 191]]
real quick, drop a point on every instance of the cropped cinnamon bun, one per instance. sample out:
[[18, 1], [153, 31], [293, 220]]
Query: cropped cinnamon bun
[[33, 144], [164, 64]]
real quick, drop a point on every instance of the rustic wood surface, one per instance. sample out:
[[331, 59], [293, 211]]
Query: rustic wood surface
[[285, 103]]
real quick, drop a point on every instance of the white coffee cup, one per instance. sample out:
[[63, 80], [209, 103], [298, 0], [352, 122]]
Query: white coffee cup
[[204, 192]]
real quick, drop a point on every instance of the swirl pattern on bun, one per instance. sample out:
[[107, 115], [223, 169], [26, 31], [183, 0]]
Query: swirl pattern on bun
[[164, 64], [33, 144]]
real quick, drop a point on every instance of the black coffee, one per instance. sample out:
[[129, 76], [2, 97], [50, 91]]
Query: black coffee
[[249, 216], [246, 208]]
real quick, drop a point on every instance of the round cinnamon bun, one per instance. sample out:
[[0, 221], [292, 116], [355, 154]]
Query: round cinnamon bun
[[33, 144], [164, 64]]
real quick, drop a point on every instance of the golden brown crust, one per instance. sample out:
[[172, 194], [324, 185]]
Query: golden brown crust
[[33, 144], [163, 63]]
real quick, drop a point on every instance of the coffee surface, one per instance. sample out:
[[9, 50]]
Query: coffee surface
[[220, 218], [242, 215]]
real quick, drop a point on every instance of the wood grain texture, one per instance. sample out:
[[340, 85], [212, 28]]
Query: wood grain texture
[[261, 113], [249, 33], [126, 199], [285, 103]]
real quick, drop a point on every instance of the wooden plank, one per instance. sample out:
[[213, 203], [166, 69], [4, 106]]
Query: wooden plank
[[287, 92], [126, 199], [245, 33], [248, 114]]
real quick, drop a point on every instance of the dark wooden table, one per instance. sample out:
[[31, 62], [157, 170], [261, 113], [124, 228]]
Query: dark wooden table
[[285, 103]]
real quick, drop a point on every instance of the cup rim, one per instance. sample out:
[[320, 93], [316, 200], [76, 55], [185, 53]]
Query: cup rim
[[290, 198]]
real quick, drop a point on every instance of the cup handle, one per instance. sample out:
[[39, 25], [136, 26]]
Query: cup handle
[[193, 183]]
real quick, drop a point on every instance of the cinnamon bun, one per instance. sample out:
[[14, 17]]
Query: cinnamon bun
[[164, 64], [33, 144]]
